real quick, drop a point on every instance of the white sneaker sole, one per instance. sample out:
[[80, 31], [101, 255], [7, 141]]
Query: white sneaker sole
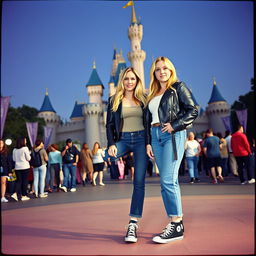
[[159, 240], [130, 239]]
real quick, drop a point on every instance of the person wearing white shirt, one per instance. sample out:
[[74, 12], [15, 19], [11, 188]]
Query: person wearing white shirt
[[192, 151], [21, 157], [98, 163]]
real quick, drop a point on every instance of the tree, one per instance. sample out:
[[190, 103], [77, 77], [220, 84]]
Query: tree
[[246, 101], [15, 124]]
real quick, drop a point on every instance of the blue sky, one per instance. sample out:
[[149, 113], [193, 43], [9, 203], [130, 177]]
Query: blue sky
[[52, 44]]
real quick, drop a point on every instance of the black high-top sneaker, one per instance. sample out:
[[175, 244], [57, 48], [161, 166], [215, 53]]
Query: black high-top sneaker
[[173, 231], [131, 235]]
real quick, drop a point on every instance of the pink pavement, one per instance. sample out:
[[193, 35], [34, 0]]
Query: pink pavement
[[214, 225]]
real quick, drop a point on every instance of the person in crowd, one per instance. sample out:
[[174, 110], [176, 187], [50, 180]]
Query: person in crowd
[[223, 154], [21, 157], [121, 168], [125, 133], [129, 164], [39, 172], [6, 166], [231, 158], [241, 150], [171, 110], [55, 166], [113, 168], [212, 151], [192, 151], [98, 163], [86, 164], [70, 157], [203, 156]]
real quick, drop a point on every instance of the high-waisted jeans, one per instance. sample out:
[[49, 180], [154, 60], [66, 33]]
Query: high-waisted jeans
[[135, 142], [162, 146], [39, 179]]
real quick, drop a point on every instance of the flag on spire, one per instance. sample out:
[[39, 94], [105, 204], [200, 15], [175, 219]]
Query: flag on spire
[[130, 3]]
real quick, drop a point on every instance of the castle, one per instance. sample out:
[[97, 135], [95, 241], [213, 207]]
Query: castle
[[88, 120]]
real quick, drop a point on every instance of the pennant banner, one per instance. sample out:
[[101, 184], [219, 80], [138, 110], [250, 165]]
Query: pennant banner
[[242, 117], [4, 109], [47, 136], [226, 122], [128, 4], [32, 132]]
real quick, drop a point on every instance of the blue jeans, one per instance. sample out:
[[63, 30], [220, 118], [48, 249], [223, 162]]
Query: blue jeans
[[192, 162], [169, 167], [69, 170], [135, 142], [39, 178]]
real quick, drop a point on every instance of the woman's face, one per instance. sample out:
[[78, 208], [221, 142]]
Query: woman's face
[[130, 81], [162, 73]]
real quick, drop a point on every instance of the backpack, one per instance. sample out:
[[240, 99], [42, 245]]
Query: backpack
[[36, 159]]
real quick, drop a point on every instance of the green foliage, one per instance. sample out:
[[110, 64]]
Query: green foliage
[[15, 124]]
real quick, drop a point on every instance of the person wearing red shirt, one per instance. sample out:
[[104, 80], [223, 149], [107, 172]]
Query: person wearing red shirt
[[241, 150]]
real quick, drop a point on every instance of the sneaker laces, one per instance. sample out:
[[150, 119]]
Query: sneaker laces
[[131, 229], [168, 230]]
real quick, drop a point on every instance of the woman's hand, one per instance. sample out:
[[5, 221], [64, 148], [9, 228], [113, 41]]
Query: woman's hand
[[150, 152], [167, 128], [112, 151]]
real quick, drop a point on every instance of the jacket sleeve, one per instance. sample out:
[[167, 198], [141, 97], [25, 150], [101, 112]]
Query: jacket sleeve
[[110, 126], [189, 111]]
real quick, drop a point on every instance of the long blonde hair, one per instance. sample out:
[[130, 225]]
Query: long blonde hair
[[139, 95], [154, 85]]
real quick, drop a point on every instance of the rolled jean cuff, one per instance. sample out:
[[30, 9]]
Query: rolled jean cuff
[[172, 215], [134, 215]]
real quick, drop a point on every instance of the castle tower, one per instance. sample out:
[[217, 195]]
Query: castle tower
[[118, 64], [93, 111], [95, 87], [48, 113], [216, 109], [136, 56]]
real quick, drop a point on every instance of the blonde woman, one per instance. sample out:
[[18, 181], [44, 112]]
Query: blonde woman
[[126, 133], [170, 110], [98, 163]]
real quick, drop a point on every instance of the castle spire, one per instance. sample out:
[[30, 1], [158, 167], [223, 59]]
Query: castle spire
[[134, 19], [214, 81], [136, 56]]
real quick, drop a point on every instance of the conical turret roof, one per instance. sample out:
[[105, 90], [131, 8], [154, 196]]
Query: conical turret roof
[[47, 106], [94, 78], [216, 95], [78, 110]]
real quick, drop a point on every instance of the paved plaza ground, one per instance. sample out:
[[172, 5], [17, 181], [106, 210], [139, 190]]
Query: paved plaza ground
[[218, 219]]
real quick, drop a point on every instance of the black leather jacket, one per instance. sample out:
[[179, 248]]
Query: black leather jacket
[[176, 107], [115, 123]]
